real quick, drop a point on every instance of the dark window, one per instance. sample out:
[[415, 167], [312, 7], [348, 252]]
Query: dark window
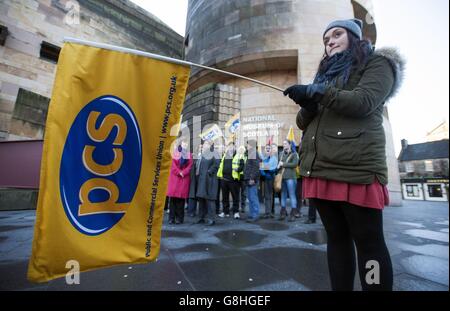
[[186, 41], [50, 51], [435, 191], [3, 34]]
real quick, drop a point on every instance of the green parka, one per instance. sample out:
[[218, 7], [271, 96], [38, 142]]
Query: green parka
[[345, 140]]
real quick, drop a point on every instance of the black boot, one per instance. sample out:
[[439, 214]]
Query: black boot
[[283, 214], [292, 215]]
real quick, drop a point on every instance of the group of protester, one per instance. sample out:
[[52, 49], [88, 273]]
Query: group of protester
[[245, 173]]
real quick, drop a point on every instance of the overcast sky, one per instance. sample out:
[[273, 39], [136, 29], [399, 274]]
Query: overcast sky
[[418, 28]]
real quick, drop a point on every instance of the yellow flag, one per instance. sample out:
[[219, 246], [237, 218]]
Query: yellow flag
[[177, 127], [105, 160], [290, 135]]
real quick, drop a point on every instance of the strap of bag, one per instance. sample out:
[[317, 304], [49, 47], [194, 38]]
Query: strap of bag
[[287, 160]]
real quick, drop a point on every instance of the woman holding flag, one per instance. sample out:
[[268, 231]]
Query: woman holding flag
[[343, 156]]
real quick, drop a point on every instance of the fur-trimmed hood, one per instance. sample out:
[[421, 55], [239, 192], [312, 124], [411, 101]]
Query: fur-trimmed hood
[[398, 66]]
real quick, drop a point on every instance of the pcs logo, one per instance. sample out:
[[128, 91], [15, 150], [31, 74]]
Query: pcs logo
[[100, 165]]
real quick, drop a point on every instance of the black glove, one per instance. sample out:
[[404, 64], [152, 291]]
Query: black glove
[[307, 96], [310, 106], [297, 93]]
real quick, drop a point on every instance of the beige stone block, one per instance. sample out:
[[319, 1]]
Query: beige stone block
[[31, 4], [8, 98], [278, 99], [30, 85], [90, 32], [25, 16], [6, 104], [27, 61], [12, 70], [306, 76], [95, 23], [283, 79], [257, 2], [250, 91], [45, 79], [25, 129], [237, 97], [315, 48], [344, 12], [253, 101], [288, 109], [23, 46], [9, 89], [46, 2], [5, 119]]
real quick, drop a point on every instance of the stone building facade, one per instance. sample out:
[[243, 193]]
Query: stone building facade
[[32, 32], [275, 41]]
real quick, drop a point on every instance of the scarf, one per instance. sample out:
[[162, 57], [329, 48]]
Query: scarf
[[338, 65], [184, 156]]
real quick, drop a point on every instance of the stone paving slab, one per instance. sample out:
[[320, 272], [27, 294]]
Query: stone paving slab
[[268, 255]]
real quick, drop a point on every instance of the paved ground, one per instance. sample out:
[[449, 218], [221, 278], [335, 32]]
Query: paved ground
[[234, 255]]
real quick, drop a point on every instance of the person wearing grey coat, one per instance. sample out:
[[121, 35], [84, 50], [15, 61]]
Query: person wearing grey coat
[[192, 205], [207, 183]]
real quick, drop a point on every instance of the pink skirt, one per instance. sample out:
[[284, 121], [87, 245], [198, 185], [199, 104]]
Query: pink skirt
[[374, 195]]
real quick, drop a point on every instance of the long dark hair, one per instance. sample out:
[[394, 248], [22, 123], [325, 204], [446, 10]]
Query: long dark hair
[[360, 50]]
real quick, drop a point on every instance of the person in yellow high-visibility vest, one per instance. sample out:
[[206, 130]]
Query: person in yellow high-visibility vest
[[229, 171]]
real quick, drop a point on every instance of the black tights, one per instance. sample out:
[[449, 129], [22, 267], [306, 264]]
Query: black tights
[[346, 224]]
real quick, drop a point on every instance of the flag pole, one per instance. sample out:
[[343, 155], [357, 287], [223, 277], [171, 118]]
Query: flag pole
[[164, 58], [238, 76]]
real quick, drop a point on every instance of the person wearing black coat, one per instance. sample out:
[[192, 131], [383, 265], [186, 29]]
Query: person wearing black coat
[[207, 183]]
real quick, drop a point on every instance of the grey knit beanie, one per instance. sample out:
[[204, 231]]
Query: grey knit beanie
[[353, 25]]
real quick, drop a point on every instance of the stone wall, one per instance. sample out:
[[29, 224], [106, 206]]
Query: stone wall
[[117, 22], [394, 185]]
